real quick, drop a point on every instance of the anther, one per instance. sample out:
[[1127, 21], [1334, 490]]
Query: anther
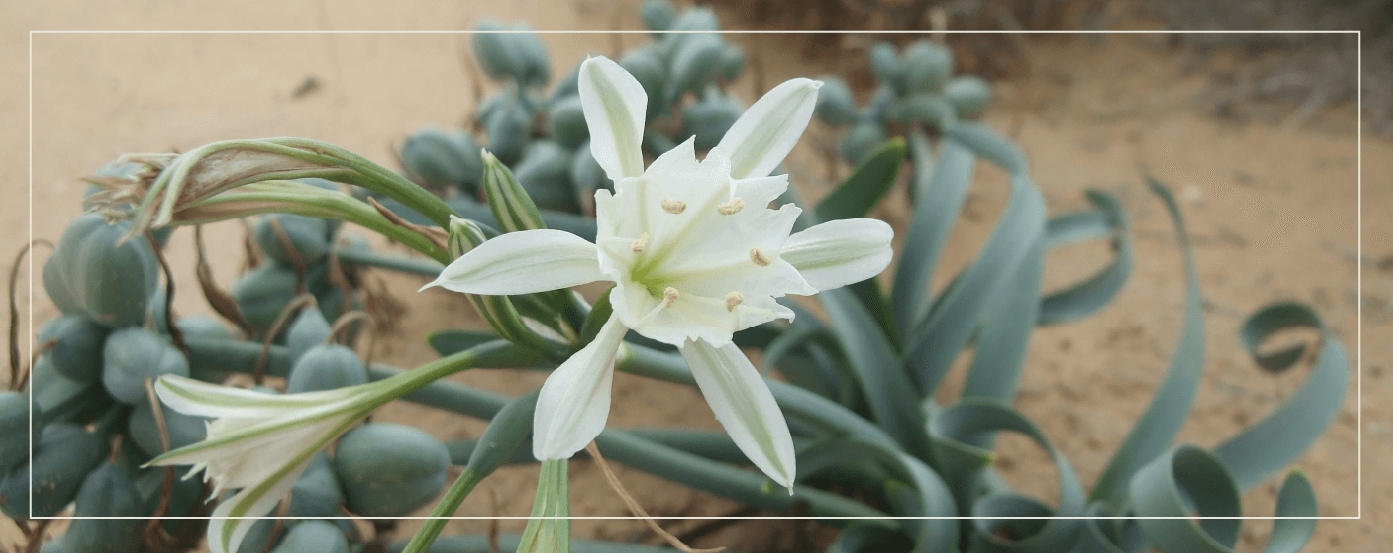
[[674, 206], [734, 300], [732, 207], [759, 258], [670, 296], [641, 244]]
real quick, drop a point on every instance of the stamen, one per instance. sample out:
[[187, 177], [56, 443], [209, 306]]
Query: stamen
[[759, 258], [670, 296], [733, 300], [732, 207], [640, 244], [674, 206]]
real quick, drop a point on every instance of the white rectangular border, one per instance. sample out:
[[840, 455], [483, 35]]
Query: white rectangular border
[[1358, 275]]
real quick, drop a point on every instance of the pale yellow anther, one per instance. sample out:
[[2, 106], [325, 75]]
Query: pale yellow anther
[[674, 206], [670, 296], [641, 244], [733, 300], [759, 258], [732, 207]]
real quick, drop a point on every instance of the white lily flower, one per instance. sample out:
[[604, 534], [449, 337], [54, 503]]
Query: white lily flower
[[258, 442], [695, 255]]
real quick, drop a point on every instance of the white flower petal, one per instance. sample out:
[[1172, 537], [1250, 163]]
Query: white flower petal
[[574, 403], [765, 133], [235, 452], [225, 535], [523, 262], [681, 159], [743, 405], [192, 397], [840, 252], [614, 104]]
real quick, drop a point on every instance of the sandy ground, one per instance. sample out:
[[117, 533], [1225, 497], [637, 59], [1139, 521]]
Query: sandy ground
[[1273, 212]]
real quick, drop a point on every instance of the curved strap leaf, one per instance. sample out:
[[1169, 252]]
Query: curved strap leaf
[[954, 429], [1109, 535], [1186, 502], [1092, 294], [811, 357], [1270, 445], [888, 390], [856, 195], [942, 189], [988, 144], [1010, 321], [1158, 426], [935, 341], [861, 538], [449, 341]]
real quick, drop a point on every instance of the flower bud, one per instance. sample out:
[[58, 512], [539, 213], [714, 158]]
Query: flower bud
[[835, 103], [465, 235], [709, 120], [508, 200], [928, 65], [863, 139], [545, 172], [566, 122], [657, 15], [968, 94]]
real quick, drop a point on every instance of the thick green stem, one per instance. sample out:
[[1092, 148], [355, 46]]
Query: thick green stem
[[382, 180], [425, 537], [369, 258]]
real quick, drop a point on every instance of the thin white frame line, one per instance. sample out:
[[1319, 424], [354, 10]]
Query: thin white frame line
[[723, 31], [1358, 275]]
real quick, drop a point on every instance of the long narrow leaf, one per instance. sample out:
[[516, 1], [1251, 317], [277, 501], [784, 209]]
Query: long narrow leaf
[[943, 190], [1092, 294]]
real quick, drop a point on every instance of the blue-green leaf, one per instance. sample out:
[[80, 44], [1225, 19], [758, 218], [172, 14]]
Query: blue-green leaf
[[941, 189], [1092, 294], [856, 195]]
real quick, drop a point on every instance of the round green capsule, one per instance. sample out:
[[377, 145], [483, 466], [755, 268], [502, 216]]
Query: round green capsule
[[390, 470], [326, 367], [132, 355], [77, 348]]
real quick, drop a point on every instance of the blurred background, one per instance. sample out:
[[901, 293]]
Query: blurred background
[[1257, 134]]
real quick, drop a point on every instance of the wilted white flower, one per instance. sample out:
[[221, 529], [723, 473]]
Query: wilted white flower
[[695, 255]]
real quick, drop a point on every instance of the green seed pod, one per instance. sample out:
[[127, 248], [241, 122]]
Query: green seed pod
[[317, 492], [389, 470], [258, 537], [309, 236], [201, 326], [886, 64], [106, 492], [968, 94], [566, 123], [310, 329], [709, 120], [657, 15], [313, 536], [185, 494], [443, 159], [264, 292], [586, 174], [77, 351], [326, 367], [497, 53], [696, 19], [646, 65], [485, 109], [57, 290], [545, 173], [183, 429], [863, 139], [66, 453], [694, 63], [928, 65], [929, 109], [331, 305], [509, 129], [732, 62], [133, 355], [879, 107], [64, 399], [835, 103], [108, 283], [506, 432], [567, 86], [15, 428], [536, 61]]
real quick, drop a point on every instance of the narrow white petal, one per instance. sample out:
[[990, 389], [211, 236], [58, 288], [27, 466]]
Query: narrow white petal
[[614, 104], [765, 133], [192, 397], [840, 252], [743, 405], [523, 262], [225, 535], [574, 403]]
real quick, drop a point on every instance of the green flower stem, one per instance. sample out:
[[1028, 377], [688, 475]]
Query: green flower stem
[[424, 386], [369, 258], [382, 180], [425, 537], [304, 199]]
